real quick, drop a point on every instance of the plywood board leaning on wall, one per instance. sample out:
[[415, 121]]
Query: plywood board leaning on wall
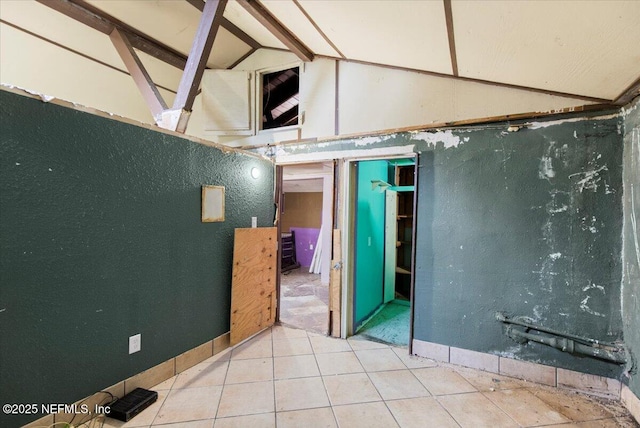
[[253, 286]]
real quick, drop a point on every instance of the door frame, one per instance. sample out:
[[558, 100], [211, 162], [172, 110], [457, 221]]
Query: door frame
[[328, 215], [348, 201]]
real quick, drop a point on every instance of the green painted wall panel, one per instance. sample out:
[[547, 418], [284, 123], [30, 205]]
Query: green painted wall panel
[[631, 240], [369, 238], [100, 239], [526, 222]]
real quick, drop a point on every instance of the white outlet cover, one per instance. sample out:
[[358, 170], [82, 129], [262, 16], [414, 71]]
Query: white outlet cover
[[135, 343], [254, 222]]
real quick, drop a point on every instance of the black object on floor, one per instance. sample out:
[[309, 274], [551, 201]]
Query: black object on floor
[[289, 260], [131, 404]]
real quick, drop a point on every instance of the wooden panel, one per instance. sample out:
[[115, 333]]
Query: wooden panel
[[302, 210], [335, 289], [253, 288]]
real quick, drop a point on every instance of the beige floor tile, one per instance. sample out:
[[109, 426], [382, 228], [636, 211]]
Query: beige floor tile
[[246, 399], [398, 384], [413, 361], [253, 349], [295, 366], [376, 360], [264, 420], [166, 385], [441, 381], [308, 418], [304, 393], [421, 412], [203, 374], [364, 415], [525, 408], [339, 363], [291, 346], [600, 423], [624, 422], [350, 388], [359, 343], [142, 419], [323, 344], [485, 381], [257, 370], [183, 405], [220, 356], [263, 335], [208, 423], [474, 410], [280, 332], [574, 406]]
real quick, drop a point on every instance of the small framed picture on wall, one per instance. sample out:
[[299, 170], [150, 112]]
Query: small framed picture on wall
[[212, 204]]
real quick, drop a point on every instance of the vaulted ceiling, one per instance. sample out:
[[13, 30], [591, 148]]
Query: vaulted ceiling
[[588, 49]]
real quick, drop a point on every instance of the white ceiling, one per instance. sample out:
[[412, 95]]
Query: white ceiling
[[586, 48], [305, 177]]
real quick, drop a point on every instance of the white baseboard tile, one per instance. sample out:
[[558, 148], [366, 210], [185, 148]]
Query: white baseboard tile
[[526, 370], [474, 359], [592, 384], [146, 379], [631, 402], [434, 351]]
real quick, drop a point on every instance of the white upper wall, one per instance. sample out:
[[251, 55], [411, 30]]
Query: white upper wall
[[371, 98], [365, 98]]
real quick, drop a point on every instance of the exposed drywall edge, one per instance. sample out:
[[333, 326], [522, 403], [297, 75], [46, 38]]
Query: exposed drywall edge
[[432, 350], [284, 158], [631, 402], [90, 110], [546, 124], [519, 119], [62, 417]]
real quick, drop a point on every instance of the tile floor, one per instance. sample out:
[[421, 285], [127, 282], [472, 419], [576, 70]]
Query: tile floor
[[293, 378], [304, 300]]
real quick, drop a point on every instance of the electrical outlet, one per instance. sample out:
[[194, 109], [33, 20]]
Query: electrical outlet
[[254, 222], [135, 343], [311, 246]]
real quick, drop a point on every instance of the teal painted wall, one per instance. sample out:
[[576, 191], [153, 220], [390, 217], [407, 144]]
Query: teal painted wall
[[631, 240], [369, 257], [526, 222], [100, 239]]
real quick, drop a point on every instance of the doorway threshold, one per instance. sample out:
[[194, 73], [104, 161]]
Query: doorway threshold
[[389, 325]]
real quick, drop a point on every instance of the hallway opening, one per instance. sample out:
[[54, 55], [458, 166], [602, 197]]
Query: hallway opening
[[384, 250]]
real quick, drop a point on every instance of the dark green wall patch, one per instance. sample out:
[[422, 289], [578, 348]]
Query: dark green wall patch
[[101, 238]]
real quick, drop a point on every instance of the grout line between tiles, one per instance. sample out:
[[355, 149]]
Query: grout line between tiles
[[224, 383]]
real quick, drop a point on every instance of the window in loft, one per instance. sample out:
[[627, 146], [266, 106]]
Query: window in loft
[[280, 98]]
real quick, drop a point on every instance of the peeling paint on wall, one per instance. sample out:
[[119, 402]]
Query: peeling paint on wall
[[447, 138], [588, 180], [548, 123]]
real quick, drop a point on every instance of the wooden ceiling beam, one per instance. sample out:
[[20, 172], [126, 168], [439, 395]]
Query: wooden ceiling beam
[[628, 94], [271, 23], [178, 116], [95, 18], [149, 91], [229, 26], [452, 39], [199, 54]]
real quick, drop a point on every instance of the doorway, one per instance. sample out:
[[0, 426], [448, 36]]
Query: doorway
[[383, 249], [306, 224]]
